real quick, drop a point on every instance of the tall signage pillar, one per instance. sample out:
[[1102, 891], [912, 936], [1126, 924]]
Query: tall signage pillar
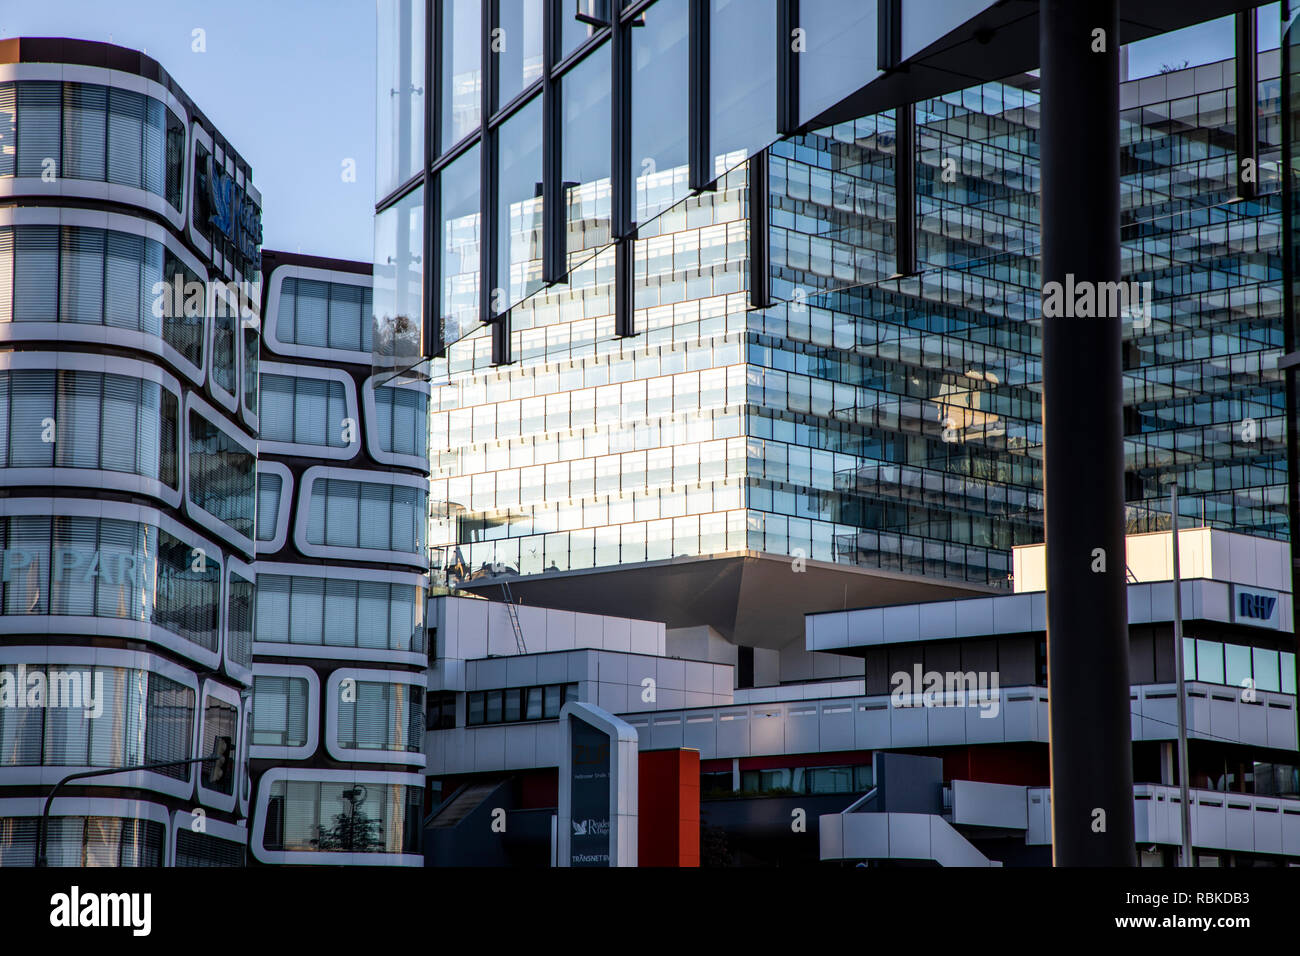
[[1087, 611], [598, 788]]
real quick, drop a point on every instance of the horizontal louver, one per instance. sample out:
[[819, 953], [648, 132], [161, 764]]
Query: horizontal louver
[[39, 122], [126, 137]]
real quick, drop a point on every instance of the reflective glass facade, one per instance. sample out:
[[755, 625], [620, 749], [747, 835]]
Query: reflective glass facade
[[864, 417]]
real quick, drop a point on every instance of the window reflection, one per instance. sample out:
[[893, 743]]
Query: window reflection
[[458, 245], [660, 108], [461, 69], [742, 79], [519, 206], [400, 92], [398, 282], [519, 53], [585, 158]]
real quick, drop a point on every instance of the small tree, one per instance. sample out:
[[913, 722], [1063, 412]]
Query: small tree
[[353, 830]]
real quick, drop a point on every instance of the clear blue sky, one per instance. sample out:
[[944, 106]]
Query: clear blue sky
[[289, 82]]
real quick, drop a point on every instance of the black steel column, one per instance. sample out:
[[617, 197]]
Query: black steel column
[[555, 215], [787, 67], [432, 292], [699, 158], [760, 258], [622, 181], [1247, 90], [905, 189], [1087, 614]]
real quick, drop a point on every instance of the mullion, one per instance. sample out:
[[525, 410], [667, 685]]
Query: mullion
[[623, 228], [1247, 96], [905, 189], [429, 295], [554, 212], [787, 68], [698, 155], [760, 281], [488, 198]]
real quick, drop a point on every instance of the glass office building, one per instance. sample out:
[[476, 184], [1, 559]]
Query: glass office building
[[129, 234], [826, 349], [339, 642]]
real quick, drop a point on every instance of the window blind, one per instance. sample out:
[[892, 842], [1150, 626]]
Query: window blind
[[269, 489], [85, 130], [31, 406], [126, 137], [80, 397], [272, 608], [8, 127], [311, 313], [39, 122], [123, 270], [81, 276], [36, 274]]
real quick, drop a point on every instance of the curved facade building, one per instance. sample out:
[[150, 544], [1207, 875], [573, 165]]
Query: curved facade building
[[340, 644], [128, 422]]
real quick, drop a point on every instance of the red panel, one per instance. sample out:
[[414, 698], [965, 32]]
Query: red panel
[[539, 788], [668, 811], [1024, 765]]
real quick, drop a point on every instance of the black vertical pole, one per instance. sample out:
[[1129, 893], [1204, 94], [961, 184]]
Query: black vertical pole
[[1247, 85], [760, 258], [787, 67], [489, 280], [555, 216], [700, 159], [622, 181], [1087, 614], [431, 294], [905, 189]]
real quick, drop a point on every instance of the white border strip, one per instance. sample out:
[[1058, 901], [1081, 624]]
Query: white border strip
[[281, 533], [303, 450], [113, 626], [292, 350], [304, 752], [95, 478], [210, 521], [372, 422], [309, 477], [351, 754], [325, 858]]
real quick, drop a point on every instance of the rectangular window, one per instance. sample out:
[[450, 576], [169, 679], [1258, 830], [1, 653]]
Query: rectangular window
[[519, 60], [458, 245], [585, 155], [519, 204], [39, 124], [400, 92], [742, 80], [219, 720], [461, 69], [1209, 661], [223, 475], [85, 130], [398, 282], [660, 108]]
